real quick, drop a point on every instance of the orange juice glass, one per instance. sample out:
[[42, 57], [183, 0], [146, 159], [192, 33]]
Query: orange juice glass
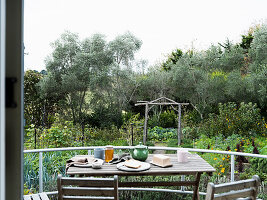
[[109, 153]]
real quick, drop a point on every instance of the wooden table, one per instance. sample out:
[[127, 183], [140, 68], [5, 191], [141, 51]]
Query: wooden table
[[195, 166]]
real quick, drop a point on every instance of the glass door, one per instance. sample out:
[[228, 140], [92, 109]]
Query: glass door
[[2, 99], [12, 73]]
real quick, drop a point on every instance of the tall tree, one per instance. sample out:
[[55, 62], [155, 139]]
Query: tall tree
[[37, 109], [124, 81], [258, 50], [33, 104], [74, 69], [123, 48]]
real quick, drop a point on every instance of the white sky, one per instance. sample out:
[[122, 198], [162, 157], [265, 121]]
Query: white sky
[[162, 25]]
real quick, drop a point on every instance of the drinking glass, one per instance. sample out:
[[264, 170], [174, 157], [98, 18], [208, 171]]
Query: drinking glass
[[109, 153]]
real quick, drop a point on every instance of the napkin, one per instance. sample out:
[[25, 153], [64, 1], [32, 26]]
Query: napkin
[[120, 158], [80, 160]]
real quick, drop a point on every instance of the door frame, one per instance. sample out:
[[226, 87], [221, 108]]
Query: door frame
[[14, 53], [2, 100]]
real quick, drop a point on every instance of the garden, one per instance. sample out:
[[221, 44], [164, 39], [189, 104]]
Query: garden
[[86, 97]]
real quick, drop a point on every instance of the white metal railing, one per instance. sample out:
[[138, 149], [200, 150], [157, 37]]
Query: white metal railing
[[233, 154]]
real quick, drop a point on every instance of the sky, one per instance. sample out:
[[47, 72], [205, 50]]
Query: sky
[[162, 25]]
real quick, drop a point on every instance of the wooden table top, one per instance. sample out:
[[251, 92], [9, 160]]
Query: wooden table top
[[195, 164]]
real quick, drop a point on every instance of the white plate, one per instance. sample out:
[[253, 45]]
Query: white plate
[[144, 166], [81, 165]]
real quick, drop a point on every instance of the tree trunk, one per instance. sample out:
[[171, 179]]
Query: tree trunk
[[145, 125]]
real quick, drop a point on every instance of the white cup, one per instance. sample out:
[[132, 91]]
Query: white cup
[[182, 156]]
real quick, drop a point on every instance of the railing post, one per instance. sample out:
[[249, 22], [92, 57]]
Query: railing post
[[232, 168], [40, 172], [89, 152], [183, 179]]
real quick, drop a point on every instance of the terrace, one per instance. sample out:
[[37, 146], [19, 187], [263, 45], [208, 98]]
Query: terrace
[[182, 192]]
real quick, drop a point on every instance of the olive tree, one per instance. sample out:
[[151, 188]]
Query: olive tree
[[74, 68]]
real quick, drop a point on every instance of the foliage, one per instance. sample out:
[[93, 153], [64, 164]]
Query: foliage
[[92, 80], [33, 103], [161, 134], [75, 67], [244, 120], [105, 116], [156, 83], [258, 85], [231, 59], [165, 119], [124, 84], [246, 41], [86, 74], [53, 164], [37, 110], [172, 59], [258, 50], [67, 134], [191, 117], [123, 48], [259, 164], [221, 162], [30, 173], [133, 127], [168, 119]]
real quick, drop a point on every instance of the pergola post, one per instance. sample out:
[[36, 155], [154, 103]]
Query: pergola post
[[179, 125], [145, 124]]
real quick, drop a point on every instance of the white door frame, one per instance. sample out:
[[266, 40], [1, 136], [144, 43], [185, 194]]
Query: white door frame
[[2, 100], [14, 115]]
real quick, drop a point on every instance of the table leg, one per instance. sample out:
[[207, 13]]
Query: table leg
[[196, 192]]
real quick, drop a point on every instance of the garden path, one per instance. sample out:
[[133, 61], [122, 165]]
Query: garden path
[[159, 151]]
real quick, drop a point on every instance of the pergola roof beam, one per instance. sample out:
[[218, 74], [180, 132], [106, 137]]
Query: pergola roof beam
[[161, 103]]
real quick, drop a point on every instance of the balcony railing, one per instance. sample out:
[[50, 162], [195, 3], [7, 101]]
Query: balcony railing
[[232, 168]]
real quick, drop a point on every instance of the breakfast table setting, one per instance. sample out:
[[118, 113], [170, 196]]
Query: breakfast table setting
[[140, 163]]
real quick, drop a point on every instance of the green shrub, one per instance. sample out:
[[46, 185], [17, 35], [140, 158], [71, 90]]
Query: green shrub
[[172, 143], [191, 117], [167, 119], [247, 145], [161, 134], [66, 134], [244, 120], [134, 125], [259, 164]]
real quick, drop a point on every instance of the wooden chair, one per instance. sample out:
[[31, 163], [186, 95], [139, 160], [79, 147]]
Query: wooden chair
[[245, 189], [40, 196], [87, 188]]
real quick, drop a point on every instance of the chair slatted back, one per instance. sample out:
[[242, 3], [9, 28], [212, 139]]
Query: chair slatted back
[[39, 196], [229, 191], [87, 188]]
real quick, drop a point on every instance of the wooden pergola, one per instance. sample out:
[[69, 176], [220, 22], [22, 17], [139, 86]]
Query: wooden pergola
[[165, 102]]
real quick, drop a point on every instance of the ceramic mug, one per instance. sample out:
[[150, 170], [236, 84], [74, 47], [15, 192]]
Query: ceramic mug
[[99, 153], [182, 156]]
